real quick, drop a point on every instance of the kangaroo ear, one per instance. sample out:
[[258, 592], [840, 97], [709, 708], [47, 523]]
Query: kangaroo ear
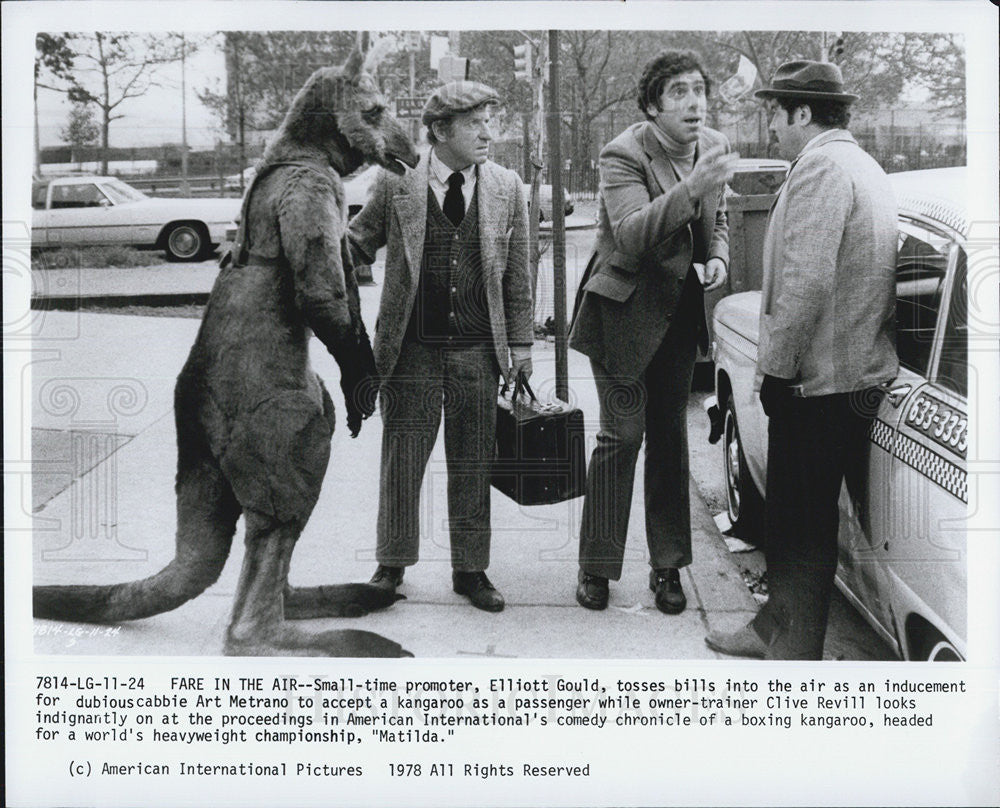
[[381, 48], [352, 67]]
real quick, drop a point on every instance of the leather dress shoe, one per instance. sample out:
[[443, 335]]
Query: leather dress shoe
[[478, 589], [592, 591], [745, 642], [387, 577], [666, 583]]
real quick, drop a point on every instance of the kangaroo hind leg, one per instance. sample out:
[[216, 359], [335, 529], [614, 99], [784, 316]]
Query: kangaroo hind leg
[[258, 626]]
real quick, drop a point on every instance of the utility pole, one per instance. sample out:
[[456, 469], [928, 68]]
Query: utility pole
[[415, 123], [558, 221], [185, 185], [529, 65]]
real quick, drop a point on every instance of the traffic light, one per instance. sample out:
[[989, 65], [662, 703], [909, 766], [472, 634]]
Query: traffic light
[[522, 62], [838, 47]]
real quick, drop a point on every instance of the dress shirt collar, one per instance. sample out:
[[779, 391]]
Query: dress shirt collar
[[440, 172]]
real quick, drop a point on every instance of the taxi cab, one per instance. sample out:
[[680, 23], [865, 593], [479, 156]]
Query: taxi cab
[[902, 549]]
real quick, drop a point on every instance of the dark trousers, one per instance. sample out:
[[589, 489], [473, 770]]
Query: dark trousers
[[813, 444], [462, 383], [655, 405]]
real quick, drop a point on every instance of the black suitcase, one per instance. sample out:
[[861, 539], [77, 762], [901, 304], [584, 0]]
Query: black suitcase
[[540, 449]]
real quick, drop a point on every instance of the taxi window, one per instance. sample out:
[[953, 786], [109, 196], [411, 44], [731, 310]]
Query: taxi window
[[953, 366], [921, 266], [86, 195]]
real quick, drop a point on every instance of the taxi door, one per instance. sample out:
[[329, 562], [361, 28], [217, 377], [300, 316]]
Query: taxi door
[[902, 520]]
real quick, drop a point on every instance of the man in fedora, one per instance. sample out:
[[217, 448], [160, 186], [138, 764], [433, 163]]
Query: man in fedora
[[456, 310], [826, 346], [662, 239]]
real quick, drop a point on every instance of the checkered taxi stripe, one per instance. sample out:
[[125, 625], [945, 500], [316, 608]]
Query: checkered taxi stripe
[[931, 465], [881, 435]]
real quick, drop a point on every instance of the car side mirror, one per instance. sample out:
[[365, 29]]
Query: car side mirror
[[104, 203]]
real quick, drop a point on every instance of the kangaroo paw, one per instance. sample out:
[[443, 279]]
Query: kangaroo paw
[[342, 600]]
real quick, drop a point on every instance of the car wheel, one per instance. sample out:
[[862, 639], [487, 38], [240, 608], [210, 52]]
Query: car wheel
[[744, 503], [186, 242]]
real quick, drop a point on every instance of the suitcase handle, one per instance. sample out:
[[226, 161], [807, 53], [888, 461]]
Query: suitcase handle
[[521, 383]]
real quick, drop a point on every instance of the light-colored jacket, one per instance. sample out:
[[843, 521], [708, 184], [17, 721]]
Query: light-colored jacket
[[649, 231], [395, 216], [828, 304]]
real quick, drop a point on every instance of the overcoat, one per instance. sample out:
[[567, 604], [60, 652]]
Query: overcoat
[[395, 216], [643, 251], [828, 305]]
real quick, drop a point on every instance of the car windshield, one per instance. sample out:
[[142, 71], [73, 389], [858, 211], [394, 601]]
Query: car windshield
[[120, 192]]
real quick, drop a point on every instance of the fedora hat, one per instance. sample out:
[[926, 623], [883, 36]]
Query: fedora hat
[[821, 81]]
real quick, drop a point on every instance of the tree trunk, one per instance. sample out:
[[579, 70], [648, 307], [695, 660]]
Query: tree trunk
[[105, 107], [243, 147], [104, 141], [38, 145]]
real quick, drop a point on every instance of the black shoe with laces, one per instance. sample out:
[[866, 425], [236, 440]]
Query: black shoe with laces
[[478, 589]]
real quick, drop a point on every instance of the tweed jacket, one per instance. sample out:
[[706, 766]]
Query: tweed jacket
[[395, 216], [828, 304], [643, 252]]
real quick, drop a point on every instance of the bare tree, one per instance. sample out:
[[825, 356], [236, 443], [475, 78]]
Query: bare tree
[[264, 70], [601, 75], [113, 68]]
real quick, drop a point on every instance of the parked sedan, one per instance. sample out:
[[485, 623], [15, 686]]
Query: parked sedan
[[545, 201], [86, 211], [902, 540]]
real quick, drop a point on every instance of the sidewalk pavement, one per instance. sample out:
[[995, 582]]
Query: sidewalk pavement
[[104, 461]]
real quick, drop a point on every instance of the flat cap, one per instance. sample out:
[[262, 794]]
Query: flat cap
[[457, 97], [807, 80]]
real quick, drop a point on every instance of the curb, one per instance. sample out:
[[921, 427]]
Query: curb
[[84, 302]]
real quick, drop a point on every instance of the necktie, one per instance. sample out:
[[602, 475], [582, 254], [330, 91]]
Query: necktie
[[454, 202]]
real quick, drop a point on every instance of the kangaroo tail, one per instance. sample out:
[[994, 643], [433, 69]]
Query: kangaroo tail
[[206, 521]]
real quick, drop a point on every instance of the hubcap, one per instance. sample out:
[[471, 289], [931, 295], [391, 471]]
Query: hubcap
[[184, 242]]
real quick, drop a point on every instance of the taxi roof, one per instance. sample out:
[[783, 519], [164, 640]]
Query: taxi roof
[[935, 193]]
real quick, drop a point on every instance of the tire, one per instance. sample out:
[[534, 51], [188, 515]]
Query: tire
[[186, 241], [935, 648], [744, 504]]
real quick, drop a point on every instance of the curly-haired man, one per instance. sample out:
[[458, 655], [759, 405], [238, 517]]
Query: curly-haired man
[[640, 318]]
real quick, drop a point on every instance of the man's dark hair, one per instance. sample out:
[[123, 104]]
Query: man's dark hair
[[663, 67], [828, 114]]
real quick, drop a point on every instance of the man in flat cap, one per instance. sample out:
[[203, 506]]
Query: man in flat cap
[[455, 313], [826, 347]]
